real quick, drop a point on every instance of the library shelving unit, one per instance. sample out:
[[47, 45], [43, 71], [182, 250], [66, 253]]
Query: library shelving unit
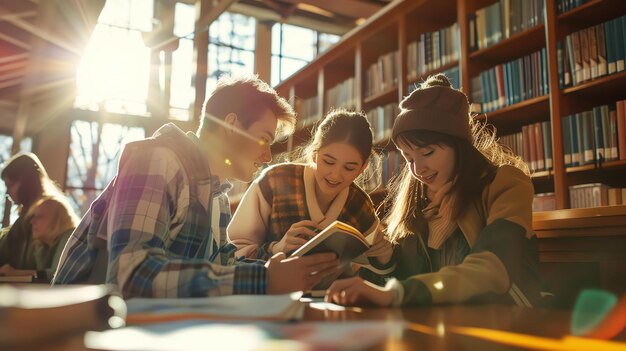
[[404, 22]]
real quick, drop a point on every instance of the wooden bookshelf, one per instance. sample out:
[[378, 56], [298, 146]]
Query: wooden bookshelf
[[403, 22], [517, 45], [422, 77], [590, 13], [527, 111], [385, 97]]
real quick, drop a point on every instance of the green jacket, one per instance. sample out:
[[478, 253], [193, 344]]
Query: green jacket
[[503, 262], [47, 257], [16, 245]]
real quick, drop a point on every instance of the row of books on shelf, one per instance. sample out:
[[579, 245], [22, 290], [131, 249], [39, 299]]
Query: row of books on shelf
[[453, 74], [533, 144], [381, 119], [433, 50], [308, 110], [595, 195], [341, 95], [391, 163], [597, 135], [501, 20], [583, 196], [563, 6], [382, 75], [544, 202], [592, 53], [511, 82]]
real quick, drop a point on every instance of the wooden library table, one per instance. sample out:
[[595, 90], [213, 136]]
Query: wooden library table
[[459, 327]]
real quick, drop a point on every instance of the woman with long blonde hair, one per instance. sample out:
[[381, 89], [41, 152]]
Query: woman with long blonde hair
[[27, 181]]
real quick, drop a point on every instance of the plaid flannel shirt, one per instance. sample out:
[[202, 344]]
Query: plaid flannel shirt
[[156, 243]]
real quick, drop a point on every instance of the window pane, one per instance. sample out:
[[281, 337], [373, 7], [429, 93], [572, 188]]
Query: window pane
[[135, 14], [326, 40], [184, 20], [275, 71], [290, 66], [141, 13], [81, 199], [231, 48], [115, 67], [89, 169], [299, 47], [276, 39], [182, 92], [298, 42]]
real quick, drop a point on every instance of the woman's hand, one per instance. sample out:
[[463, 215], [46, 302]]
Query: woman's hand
[[297, 235], [356, 292], [381, 249]]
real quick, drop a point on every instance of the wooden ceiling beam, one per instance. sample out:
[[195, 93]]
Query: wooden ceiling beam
[[348, 8]]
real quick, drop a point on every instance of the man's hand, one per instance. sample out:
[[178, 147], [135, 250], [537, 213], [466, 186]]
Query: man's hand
[[297, 235], [298, 273]]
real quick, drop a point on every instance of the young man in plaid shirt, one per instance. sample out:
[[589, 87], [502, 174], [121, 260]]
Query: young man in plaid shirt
[[159, 229]]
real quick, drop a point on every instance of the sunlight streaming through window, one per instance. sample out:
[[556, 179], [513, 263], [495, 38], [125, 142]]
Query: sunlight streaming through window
[[114, 70], [89, 170]]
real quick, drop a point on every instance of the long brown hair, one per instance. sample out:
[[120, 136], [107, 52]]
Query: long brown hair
[[475, 165], [26, 168]]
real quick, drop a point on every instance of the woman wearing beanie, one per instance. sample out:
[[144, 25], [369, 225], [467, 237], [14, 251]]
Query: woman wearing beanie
[[460, 213]]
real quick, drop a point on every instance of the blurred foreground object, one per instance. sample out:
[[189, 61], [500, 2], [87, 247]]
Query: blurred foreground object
[[34, 313], [598, 314]]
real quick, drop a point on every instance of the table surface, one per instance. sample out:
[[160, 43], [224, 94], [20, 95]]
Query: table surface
[[458, 327]]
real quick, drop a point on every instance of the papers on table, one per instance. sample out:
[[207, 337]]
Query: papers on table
[[202, 335], [236, 307]]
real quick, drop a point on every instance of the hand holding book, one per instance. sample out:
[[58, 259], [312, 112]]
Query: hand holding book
[[340, 238], [297, 235], [381, 248]]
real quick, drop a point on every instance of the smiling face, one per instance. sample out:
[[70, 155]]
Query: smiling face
[[432, 165], [250, 152], [337, 166]]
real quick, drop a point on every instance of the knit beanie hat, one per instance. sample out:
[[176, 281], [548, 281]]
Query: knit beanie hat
[[434, 106]]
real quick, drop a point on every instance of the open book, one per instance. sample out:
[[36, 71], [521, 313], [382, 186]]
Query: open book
[[233, 308], [341, 238]]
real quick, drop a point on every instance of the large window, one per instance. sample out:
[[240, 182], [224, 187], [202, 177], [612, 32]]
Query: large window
[[293, 47], [230, 52], [92, 162], [182, 92], [231, 47], [114, 71]]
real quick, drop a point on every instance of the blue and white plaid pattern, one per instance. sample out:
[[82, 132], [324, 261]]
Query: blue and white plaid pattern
[[157, 243]]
